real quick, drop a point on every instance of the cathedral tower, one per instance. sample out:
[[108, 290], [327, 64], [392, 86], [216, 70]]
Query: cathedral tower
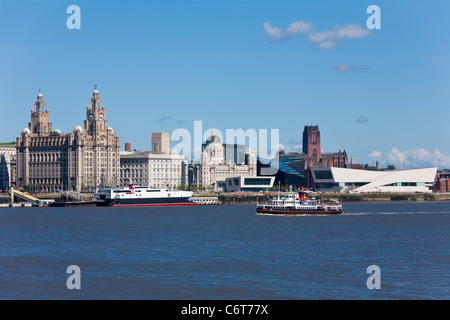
[[311, 142]]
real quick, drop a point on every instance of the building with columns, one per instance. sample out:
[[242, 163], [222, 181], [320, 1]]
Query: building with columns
[[213, 169], [49, 160], [156, 169]]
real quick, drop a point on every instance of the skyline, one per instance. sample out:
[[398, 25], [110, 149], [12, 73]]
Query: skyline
[[378, 94]]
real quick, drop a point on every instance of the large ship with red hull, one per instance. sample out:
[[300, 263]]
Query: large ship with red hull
[[140, 196], [298, 204]]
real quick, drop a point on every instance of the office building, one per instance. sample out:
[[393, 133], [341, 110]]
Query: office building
[[50, 160]]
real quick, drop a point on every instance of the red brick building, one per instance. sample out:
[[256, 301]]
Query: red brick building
[[442, 182], [312, 152], [314, 157]]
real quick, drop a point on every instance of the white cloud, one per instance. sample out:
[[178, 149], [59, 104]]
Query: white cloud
[[295, 141], [322, 40], [280, 35], [343, 67], [300, 27], [294, 148], [375, 154], [327, 45], [347, 32], [411, 158]]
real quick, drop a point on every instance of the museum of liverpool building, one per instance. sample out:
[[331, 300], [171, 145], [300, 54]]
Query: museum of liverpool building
[[353, 180]]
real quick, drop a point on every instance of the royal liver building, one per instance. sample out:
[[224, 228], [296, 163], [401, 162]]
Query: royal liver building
[[51, 160]]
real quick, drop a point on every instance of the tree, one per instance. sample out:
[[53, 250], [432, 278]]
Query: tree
[[391, 167]]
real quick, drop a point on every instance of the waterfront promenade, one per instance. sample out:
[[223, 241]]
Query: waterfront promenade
[[254, 197]]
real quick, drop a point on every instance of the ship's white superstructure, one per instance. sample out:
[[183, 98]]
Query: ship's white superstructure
[[141, 196], [298, 203]]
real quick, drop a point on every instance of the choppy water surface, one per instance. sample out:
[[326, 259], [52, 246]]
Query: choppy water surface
[[225, 252]]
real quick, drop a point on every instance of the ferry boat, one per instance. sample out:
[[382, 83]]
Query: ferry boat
[[298, 204], [141, 196]]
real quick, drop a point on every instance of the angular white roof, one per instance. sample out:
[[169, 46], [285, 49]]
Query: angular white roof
[[376, 178]]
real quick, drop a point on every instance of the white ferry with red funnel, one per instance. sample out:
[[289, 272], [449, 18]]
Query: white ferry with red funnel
[[298, 204], [140, 196]]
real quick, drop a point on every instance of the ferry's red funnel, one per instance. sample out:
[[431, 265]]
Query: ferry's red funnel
[[302, 195]]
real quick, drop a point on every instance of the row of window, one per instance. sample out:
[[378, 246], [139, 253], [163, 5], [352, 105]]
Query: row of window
[[402, 184], [170, 165]]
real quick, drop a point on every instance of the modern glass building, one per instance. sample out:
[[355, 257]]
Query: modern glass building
[[288, 170], [247, 184]]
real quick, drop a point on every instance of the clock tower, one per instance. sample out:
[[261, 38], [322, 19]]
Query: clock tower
[[40, 117], [95, 115], [49, 159], [101, 146]]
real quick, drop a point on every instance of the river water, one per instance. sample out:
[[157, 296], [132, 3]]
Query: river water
[[225, 252]]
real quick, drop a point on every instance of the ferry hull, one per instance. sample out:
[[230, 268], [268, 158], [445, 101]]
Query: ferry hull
[[74, 204], [155, 205], [149, 202], [298, 212]]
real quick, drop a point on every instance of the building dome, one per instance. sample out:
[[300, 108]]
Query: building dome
[[110, 129], [78, 128], [213, 139], [58, 131], [26, 130]]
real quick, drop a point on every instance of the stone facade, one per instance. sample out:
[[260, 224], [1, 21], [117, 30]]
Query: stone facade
[[51, 160], [161, 143], [153, 170], [213, 167]]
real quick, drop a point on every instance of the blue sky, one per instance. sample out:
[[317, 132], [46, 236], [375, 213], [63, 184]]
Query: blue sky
[[161, 65]]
